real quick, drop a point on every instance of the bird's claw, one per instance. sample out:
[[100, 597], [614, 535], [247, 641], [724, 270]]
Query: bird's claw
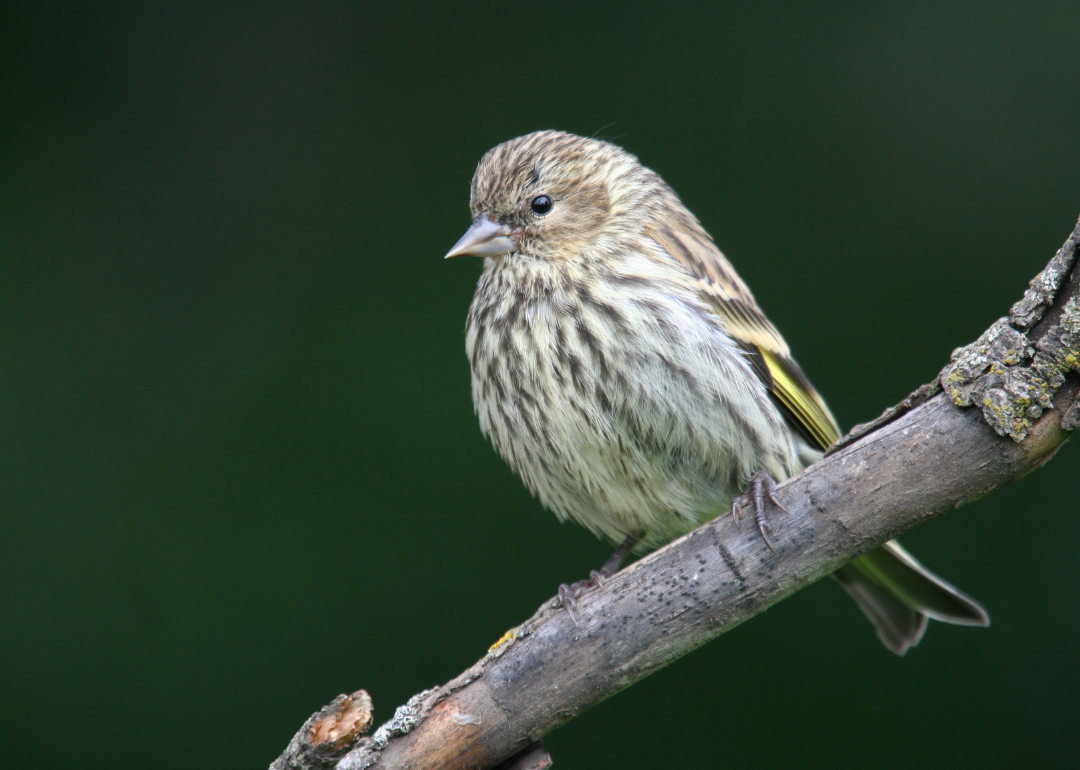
[[569, 594], [761, 486]]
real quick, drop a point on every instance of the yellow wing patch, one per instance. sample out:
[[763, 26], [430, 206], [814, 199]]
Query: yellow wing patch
[[799, 399]]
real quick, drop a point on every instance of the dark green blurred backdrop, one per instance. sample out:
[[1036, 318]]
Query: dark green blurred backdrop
[[239, 467]]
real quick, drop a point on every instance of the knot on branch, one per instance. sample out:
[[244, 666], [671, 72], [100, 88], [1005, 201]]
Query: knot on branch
[[1010, 372], [328, 734], [342, 722]]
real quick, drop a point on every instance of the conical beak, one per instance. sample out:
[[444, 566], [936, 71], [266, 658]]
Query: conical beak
[[484, 239]]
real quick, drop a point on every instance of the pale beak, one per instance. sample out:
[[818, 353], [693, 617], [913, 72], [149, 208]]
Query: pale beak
[[484, 239]]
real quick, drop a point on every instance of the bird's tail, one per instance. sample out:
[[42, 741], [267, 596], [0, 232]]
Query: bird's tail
[[898, 595]]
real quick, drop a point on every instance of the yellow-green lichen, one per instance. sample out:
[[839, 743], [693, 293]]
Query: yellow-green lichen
[[503, 640], [1011, 380]]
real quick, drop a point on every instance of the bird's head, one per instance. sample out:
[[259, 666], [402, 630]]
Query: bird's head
[[550, 195]]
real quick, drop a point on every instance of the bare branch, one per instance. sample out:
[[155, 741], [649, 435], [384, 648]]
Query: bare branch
[[920, 459]]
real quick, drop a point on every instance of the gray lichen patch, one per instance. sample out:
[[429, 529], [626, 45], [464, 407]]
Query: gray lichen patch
[[1043, 288], [405, 719]]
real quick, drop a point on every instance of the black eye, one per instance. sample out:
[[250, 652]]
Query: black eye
[[541, 204]]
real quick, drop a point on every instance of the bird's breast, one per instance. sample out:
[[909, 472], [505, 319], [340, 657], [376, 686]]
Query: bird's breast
[[619, 405]]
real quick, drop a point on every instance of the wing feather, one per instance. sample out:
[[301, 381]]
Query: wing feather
[[767, 351]]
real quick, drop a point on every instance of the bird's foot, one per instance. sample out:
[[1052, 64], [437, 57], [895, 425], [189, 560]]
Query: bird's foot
[[761, 486], [569, 594]]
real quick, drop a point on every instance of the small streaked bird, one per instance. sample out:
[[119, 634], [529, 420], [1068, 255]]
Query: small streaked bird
[[623, 369]]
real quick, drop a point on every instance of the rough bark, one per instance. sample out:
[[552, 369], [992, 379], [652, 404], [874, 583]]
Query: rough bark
[[924, 457], [328, 734]]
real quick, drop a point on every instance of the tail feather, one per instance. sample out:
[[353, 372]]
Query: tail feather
[[898, 594]]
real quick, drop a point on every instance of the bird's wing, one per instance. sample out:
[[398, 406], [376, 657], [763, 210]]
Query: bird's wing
[[768, 354]]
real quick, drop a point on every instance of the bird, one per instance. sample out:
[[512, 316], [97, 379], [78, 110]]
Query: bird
[[626, 373]]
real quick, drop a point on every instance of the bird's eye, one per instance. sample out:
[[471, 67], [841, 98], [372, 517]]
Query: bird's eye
[[541, 204]]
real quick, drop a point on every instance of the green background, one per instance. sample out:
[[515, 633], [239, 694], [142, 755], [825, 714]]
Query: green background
[[239, 467]]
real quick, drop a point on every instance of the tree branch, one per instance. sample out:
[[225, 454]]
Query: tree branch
[[920, 459]]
